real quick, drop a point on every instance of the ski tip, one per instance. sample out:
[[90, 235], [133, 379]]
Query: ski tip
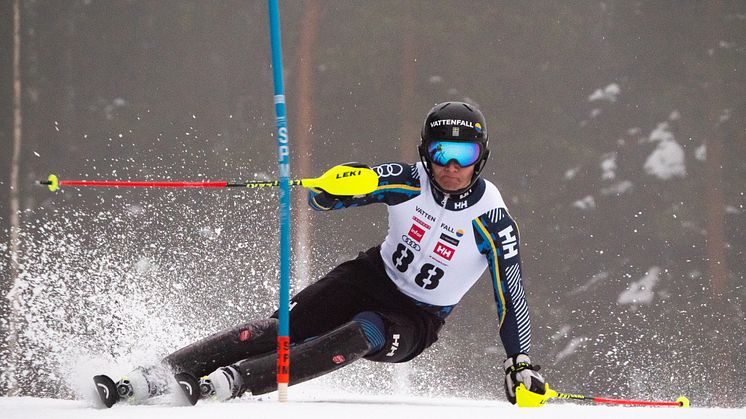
[[189, 386], [106, 389]]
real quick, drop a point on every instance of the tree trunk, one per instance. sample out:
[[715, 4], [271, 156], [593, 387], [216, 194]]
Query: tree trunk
[[722, 311], [409, 133], [716, 237], [15, 222], [304, 136], [408, 141]]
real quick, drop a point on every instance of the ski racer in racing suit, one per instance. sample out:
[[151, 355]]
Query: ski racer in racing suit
[[447, 225]]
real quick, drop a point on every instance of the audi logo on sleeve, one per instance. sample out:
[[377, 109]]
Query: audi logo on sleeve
[[389, 169]]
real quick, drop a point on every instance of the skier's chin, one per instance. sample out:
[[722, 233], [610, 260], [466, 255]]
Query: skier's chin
[[452, 186]]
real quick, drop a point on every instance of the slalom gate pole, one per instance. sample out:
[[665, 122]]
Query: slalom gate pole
[[283, 160]]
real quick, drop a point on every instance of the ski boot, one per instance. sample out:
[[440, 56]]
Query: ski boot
[[110, 392], [222, 384], [137, 386]]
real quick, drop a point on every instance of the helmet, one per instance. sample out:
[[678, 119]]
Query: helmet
[[461, 129]]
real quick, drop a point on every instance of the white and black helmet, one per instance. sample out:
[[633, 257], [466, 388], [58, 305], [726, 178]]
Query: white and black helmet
[[454, 131]]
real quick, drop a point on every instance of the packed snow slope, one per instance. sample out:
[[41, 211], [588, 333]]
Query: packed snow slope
[[334, 406]]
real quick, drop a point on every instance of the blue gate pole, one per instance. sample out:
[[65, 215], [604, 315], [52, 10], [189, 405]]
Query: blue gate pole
[[283, 160]]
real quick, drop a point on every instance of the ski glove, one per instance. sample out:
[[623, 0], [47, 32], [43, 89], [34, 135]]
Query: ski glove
[[518, 370], [326, 199]]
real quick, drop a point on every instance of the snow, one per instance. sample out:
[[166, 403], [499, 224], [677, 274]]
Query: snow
[[700, 153], [586, 203], [618, 188], [608, 93], [730, 209], [725, 115], [570, 348], [601, 276], [571, 173], [334, 406], [608, 165], [641, 292], [667, 160]]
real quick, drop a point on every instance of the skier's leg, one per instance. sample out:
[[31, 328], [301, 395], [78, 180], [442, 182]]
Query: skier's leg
[[331, 301], [381, 337], [198, 359], [405, 335], [225, 347], [323, 337], [310, 359], [386, 327]]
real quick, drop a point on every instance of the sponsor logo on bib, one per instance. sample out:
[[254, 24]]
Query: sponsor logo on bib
[[416, 233], [443, 251], [448, 239]]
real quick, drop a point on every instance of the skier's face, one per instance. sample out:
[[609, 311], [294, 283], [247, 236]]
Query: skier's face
[[452, 177]]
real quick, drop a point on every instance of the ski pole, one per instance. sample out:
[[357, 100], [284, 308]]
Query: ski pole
[[527, 398], [339, 180]]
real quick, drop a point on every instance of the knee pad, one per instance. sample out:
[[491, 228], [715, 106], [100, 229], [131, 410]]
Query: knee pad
[[403, 339], [374, 329]]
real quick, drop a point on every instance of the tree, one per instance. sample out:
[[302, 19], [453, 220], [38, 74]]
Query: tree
[[15, 223], [304, 133]]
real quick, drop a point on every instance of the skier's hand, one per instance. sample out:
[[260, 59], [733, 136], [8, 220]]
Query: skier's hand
[[518, 369], [327, 198]]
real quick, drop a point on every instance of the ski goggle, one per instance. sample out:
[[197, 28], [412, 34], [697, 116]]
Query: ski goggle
[[464, 153]]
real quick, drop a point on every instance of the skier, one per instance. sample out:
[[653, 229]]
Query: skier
[[446, 226]]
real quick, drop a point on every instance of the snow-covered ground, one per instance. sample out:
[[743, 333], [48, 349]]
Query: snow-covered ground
[[334, 406]]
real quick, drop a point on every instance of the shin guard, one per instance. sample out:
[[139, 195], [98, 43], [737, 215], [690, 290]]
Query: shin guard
[[310, 359], [225, 347]]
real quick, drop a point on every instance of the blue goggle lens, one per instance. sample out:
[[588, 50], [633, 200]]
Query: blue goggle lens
[[442, 152]]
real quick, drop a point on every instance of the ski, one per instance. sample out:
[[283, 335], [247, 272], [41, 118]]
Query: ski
[[110, 392], [106, 390], [190, 386]]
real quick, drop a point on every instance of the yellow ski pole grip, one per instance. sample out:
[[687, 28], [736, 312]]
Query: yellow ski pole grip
[[527, 398], [345, 180]]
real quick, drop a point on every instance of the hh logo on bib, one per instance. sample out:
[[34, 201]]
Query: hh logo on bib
[[443, 251]]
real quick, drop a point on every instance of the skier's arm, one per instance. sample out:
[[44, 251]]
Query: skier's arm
[[497, 238], [397, 182]]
